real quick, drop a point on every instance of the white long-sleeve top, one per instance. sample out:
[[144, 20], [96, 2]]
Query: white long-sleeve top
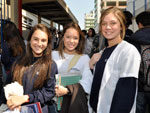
[[82, 67]]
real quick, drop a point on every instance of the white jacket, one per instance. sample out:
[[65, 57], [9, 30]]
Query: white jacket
[[123, 62]]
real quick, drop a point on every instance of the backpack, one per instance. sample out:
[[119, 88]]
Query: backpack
[[144, 74]]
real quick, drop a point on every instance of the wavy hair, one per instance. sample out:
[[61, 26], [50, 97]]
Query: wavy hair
[[42, 65], [13, 38]]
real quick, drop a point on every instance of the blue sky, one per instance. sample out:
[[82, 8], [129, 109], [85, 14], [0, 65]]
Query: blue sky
[[79, 8]]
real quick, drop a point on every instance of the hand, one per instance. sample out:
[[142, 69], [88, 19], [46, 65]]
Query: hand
[[16, 101], [94, 59], [60, 90]]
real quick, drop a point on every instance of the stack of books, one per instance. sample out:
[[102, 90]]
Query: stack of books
[[64, 80], [32, 108]]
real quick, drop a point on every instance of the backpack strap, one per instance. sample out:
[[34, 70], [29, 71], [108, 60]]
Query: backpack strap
[[73, 61]]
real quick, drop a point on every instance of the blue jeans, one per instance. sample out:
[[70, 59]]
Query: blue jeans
[[143, 100]]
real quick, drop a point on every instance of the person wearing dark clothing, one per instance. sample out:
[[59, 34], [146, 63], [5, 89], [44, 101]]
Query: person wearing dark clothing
[[76, 101], [141, 40], [44, 94], [1, 89], [35, 71], [13, 47], [95, 45], [129, 32], [120, 93], [7, 57], [89, 41]]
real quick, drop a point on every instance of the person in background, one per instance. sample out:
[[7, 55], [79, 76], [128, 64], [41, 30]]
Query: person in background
[[54, 37], [98, 44], [13, 47], [129, 32], [70, 51], [85, 33], [89, 41], [141, 40], [59, 35], [114, 84], [35, 71]]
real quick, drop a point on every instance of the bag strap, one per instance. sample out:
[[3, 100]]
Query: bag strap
[[73, 61]]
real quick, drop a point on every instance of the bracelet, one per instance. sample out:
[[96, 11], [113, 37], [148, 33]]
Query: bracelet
[[69, 92]]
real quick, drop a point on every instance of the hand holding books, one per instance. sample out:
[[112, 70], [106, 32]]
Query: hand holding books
[[60, 90], [63, 80]]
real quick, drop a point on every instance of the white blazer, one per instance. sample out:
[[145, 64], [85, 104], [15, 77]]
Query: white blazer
[[123, 62]]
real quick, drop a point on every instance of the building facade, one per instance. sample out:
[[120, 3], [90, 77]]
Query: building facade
[[40, 11], [29, 20], [100, 5], [118, 3], [89, 20], [136, 7], [97, 9]]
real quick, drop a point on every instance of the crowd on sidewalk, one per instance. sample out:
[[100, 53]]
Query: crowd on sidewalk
[[113, 66]]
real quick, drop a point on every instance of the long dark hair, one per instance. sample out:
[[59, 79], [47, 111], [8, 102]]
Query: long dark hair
[[42, 65], [81, 43], [13, 38]]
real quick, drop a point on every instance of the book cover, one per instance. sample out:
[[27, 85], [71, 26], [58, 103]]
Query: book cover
[[67, 78], [32, 108], [64, 80]]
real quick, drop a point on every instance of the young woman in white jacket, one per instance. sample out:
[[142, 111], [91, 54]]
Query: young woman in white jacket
[[116, 68]]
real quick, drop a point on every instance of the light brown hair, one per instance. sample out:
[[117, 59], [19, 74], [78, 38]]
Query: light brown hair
[[119, 15]]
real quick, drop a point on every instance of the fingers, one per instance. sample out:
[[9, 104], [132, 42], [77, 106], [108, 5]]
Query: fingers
[[11, 105], [91, 65], [57, 90], [19, 107], [56, 86], [61, 90], [95, 58]]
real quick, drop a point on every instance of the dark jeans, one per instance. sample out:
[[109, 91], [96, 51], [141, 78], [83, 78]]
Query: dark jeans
[[143, 101], [52, 108]]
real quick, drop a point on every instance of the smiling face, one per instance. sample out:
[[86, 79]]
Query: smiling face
[[38, 42], [111, 29], [90, 33], [71, 40]]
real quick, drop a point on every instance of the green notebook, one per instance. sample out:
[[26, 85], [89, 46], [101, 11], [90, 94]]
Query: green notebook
[[64, 80]]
